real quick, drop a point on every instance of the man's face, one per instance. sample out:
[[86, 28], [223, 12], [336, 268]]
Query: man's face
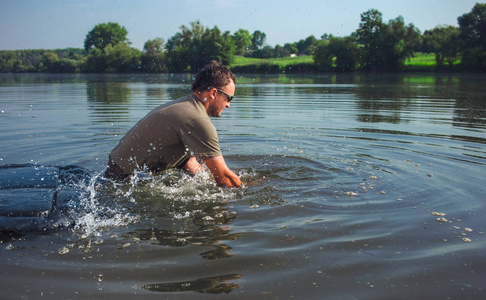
[[219, 101]]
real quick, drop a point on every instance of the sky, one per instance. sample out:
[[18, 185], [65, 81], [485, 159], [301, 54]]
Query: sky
[[58, 24]]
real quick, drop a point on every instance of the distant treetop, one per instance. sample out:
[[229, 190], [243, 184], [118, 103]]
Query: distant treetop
[[105, 33]]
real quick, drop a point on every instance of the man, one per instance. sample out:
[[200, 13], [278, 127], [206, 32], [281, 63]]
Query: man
[[173, 135]]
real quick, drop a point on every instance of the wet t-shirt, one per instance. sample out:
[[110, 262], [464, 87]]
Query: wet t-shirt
[[166, 137]]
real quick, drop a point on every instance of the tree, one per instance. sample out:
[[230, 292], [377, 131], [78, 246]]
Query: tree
[[326, 36], [323, 56], [109, 50], [49, 61], [120, 58], [194, 47], [306, 47], [473, 26], [370, 35], [265, 52], [473, 35], [53, 64], [153, 57], [280, 51], [105, 33], [386, 46], [258, 40], [291, 48], [444, 42], [399, 43], [212, 45], [7, 61], [339, 54], [243, 41]]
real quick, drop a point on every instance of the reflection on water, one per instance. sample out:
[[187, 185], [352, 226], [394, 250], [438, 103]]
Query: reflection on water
[[202, 236], [212, 285], [356, 186], [108, 92]]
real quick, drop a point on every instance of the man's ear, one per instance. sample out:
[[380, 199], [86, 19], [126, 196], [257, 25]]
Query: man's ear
[[212, 93]]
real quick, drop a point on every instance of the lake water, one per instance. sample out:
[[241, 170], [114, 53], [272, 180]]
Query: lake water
[[357, 187]]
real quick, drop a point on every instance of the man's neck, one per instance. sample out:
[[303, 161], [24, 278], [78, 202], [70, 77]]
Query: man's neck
[[203, 97]]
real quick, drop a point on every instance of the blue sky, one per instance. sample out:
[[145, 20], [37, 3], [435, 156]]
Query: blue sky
[[52, 24]]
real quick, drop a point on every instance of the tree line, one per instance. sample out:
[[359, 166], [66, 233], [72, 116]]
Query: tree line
[[375, 46]]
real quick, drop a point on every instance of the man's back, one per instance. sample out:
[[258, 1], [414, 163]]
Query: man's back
[[167, 137]]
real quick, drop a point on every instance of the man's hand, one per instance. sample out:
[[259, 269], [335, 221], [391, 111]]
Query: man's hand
[[222, 174], [192, 166]]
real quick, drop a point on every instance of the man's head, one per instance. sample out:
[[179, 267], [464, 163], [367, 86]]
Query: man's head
[[213, 75], [215, 85]]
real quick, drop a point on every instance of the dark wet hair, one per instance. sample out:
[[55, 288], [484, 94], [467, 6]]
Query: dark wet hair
[[214, 75]]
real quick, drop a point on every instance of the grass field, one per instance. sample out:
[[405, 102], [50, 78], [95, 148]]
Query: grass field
[[421, 61], [282, 61]]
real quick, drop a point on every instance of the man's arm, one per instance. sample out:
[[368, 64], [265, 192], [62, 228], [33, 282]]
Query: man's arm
[[222, 174]]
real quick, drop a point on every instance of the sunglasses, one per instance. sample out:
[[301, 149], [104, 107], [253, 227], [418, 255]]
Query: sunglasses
[[227, 95]]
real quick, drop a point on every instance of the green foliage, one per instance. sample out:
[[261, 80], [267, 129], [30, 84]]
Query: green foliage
[[53, 61], [114, 59], [121, 58], [291, 48], [336, 54], [402, 40], [307, 46], [282, 62], [153, 56], [52, 64], [385, 46], [104, 34], [473, 34], [375, 46], [370, 35], [265, 52], [110, 51], [194, 47], [258, 40], [444, 41], [270, 68], [301, 64], [243, 41], [7, 61]]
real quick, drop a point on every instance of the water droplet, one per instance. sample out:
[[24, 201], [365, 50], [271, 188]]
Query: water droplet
[[63, 251]]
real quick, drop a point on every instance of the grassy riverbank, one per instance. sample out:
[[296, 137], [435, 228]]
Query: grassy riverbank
[[421, 62], [282, 61]]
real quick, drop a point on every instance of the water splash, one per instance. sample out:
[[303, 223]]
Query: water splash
[[88, 212], [102, 203], [175, 195]]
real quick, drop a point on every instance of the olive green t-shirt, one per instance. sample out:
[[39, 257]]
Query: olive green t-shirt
[[167, 136]]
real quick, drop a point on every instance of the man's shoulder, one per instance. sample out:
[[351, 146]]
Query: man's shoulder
[[184, 109], [174, 102], [180, 103]]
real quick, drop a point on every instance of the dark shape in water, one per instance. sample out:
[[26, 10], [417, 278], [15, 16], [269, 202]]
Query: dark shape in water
[[212, 285], [33, 197]]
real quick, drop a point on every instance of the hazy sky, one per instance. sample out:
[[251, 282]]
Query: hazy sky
[[52, 24]]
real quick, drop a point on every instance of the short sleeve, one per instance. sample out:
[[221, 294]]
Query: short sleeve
[[200, 138]]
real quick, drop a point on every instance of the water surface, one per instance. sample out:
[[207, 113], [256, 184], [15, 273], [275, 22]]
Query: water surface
[[357, 187]]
